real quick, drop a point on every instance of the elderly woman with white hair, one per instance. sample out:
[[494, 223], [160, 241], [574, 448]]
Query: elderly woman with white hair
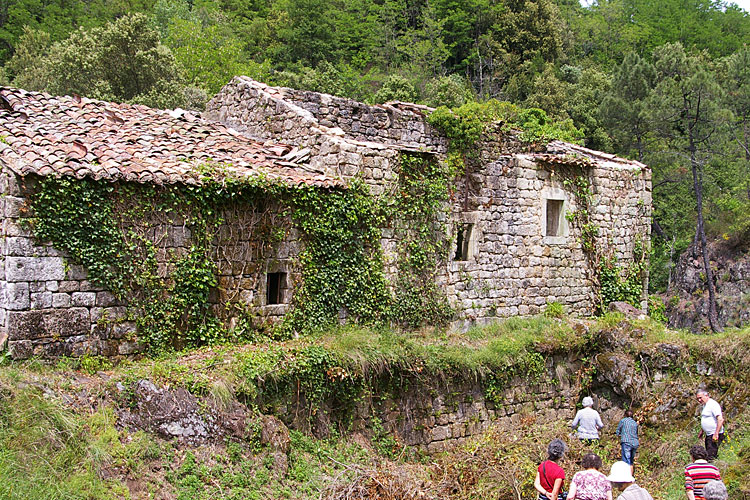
[[715, 490], [587, 422]]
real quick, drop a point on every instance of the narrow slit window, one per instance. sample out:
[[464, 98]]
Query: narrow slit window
[[463, 236], [275, 285], [554, 217]]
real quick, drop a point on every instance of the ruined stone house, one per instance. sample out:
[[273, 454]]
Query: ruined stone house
[[510, 247]]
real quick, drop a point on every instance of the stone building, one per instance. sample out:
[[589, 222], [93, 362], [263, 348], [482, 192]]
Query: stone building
[[513, 247], [510, 248]]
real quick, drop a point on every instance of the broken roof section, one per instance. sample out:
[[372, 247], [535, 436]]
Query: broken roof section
[[565, 153], [45, 135]]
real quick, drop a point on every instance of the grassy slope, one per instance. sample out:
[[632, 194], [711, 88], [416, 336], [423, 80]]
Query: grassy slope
[[58, 438]]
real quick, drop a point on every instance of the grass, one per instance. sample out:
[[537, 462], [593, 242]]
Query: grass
[[52, 448]]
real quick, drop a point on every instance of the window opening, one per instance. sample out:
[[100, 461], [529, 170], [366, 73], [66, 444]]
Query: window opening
[[554, 216], [463, 236], [275, 284]]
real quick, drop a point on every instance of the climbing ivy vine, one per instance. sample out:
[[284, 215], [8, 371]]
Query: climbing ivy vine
[[342, 266], [417, 211]]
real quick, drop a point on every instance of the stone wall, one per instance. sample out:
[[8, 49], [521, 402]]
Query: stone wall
[[511, 266], [436, 415], [49, 307], [515, 269]]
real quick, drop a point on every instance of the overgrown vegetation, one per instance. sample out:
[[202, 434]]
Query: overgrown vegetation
[[60, 437]]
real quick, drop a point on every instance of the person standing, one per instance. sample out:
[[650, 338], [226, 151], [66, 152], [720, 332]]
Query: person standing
[[587, 422], [627, 429], [590, 484], [699, 473], [550, 476], [712, 423], [621, 477]]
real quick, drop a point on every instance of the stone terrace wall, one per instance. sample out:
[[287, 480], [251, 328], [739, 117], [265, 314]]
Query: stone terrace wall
[[438, 415], [49, 308]]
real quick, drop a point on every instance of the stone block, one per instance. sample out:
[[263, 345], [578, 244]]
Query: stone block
[[441, 433], [68, 286], [19, 246], [60, 300], [105, 299], [84, 299], [15, 207], [41, 300], [34, 269], [30, 325], [129, 348], [17, 296], [20, 349]]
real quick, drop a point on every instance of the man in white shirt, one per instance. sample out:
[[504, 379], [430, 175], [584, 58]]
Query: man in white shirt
[[712, 423]]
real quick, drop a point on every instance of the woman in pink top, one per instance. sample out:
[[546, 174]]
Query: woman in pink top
[[550, 476], [590, 484]]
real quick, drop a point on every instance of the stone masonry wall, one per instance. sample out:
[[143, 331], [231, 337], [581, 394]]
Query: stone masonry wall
[[513, 268], [49, 308], [516, 269], [437, 415]]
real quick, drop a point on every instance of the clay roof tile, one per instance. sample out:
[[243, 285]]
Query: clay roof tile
[[82, 137]]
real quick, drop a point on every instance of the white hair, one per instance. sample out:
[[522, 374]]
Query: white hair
[[715, 490]]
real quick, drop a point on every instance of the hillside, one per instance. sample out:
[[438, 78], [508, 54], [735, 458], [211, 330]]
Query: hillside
[[304, 419]]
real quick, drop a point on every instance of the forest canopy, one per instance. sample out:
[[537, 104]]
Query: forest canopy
[[667, 83]]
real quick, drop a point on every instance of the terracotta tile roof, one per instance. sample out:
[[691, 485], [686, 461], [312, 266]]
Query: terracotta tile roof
[[45, 135], [564, 153]]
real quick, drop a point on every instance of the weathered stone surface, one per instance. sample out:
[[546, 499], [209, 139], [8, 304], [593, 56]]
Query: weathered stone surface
[[627, 310], [30, 325], [275, 434], [34, 268], [17, 296]]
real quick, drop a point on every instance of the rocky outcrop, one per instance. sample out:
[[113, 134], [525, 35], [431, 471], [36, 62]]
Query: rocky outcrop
[[687, 296]]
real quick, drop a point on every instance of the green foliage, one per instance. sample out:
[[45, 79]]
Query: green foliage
[[416, 209], [618, 284], [124, 60], [78, 216], [396, 88], [450, 91], [342, 269], [554, 310], [581, 216], [48, 452], [657, 309]]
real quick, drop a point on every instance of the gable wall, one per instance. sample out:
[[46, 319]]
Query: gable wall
[[516, 270]]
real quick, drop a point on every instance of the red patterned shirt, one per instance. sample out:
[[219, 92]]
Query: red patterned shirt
[[698, 474], [591, 485]]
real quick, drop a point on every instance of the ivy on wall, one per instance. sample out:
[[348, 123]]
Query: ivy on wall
[[111, 229], [341, 262], [616, 282], [417, 209]]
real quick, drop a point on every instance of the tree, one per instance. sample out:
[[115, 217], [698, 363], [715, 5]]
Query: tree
[[122, 61], [735, 202], [687, 111], [624, 109]]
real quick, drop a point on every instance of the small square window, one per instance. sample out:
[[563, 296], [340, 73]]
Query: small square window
[[275, 286], [554, 218], [463, 237]]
